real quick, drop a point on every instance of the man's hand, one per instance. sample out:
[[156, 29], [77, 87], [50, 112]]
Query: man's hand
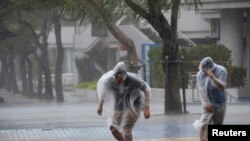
[[219, 83], [99, 109], [210, 108], [146, 112], [209, 72]]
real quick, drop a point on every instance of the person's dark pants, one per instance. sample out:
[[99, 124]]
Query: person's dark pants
[[217, 118]]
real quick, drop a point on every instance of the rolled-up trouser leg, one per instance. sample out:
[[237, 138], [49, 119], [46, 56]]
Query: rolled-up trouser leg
[[218, 117], [130, 121], [128, 135], [127, 131]]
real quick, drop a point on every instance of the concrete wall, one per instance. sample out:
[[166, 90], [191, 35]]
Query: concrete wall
[[133, 33], [231, 34], [248, 49], [222, 4], [67, 34], [230, 13], [83, 40], [192, 24]]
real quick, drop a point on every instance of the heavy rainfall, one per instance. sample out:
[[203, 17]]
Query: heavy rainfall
[[103, 70]]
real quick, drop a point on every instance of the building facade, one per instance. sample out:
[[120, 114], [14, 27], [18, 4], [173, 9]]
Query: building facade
[[218, 21], [227, 22]]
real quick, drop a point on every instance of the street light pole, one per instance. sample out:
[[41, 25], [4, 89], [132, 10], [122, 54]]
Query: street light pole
[[183, 85], [166, 84]]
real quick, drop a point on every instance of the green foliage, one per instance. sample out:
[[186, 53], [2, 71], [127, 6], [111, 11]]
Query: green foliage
[[75, 10], [87, 85], [192, 57], [157, 78], [217, 51], [238, 76], [91, 10]]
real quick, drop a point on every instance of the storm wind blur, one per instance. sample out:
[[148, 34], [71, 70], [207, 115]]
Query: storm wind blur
[[56, 50]]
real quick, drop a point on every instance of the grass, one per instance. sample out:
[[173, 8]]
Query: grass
[[87, 85]]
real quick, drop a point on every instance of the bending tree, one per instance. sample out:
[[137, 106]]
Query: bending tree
[[151, 10], [106, 11]]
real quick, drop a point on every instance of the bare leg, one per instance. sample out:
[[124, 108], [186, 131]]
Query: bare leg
[[128, 137], [116, 134], [127, 132], [203, 132]]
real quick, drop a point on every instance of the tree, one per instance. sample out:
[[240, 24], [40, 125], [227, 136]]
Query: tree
[[25, 50], [106, 11], [37, 16], [192, 56], [15, 47], [53, 16], [7, 57], [42, 44], [7, 79], [19, 49], [34, 16], [55, 9], [60, 55], [104, 8], [152, 12]]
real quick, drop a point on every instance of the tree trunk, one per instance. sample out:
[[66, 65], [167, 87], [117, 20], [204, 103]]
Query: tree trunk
[[12, 79], [172, 94], [43, 58], [23, 74], [174, 100], [40, 80], [170, 49], [120, 36], [47, 74], [1, 75], [39, 76], [60, 55], [5, 72], [30, 76]]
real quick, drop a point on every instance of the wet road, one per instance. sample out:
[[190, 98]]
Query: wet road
[[24, 119]]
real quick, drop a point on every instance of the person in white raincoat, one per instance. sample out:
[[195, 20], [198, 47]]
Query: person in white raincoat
[[211, 82], [122, 94]]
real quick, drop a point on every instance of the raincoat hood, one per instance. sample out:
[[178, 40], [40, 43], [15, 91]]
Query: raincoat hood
[[120, 69], [207, 62]]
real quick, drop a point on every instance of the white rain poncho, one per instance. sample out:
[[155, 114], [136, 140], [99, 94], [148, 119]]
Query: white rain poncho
[[210, 93], [202, 84], [122, 102]]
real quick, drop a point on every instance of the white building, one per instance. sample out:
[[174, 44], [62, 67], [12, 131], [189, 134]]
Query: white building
[[228, 21], [222, 21], [84, 42], [67, 34]]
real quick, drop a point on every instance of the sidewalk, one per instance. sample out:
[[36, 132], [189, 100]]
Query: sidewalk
[[23, 119]]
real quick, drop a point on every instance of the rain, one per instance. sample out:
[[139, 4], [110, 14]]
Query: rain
[[140, 60]]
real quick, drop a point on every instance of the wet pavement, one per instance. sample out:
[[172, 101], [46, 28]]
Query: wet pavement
[[25, 119]]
